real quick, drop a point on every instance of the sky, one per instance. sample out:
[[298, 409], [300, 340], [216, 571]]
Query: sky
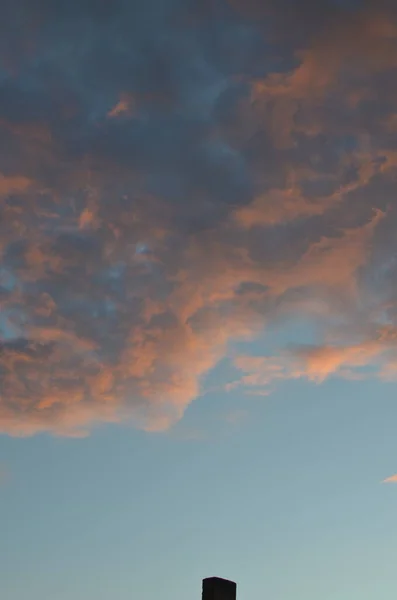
[[198, 298]]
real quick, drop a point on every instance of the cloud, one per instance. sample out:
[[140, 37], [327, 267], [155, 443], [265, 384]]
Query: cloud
[[124, 106], [176, 178], [374, 356], [392, 479]]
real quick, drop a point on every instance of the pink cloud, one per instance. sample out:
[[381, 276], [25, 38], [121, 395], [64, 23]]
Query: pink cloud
[[317, 363], [392, 479], [136, 251], [124, 106]]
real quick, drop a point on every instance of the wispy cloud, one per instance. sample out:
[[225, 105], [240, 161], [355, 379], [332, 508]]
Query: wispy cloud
[[392, 479], [258, 374]]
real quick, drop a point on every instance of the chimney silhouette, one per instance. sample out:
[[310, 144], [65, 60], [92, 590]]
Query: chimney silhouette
[[215, 588]]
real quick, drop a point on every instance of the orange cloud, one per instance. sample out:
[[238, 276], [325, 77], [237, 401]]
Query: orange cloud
[[136, 254], [277, 206], [65, 385], [343, 57], [331, 261], [392, 479], [10, 185], [124, 106], [318, 362], [165, 363]]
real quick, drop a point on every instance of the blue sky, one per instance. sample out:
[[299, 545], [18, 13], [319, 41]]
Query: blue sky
[[288, 501], [198, 298]]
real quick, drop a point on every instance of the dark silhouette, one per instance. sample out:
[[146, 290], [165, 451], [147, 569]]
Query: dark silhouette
[[216, 588]]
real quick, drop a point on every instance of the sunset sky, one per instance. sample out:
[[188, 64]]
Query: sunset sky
[[198, 298]]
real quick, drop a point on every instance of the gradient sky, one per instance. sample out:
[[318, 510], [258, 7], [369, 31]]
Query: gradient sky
[[198, 298]]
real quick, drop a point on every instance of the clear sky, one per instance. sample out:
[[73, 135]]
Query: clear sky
[[198, 298]]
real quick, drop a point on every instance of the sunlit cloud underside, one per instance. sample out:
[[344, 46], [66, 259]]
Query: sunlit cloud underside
[[175, 177]]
